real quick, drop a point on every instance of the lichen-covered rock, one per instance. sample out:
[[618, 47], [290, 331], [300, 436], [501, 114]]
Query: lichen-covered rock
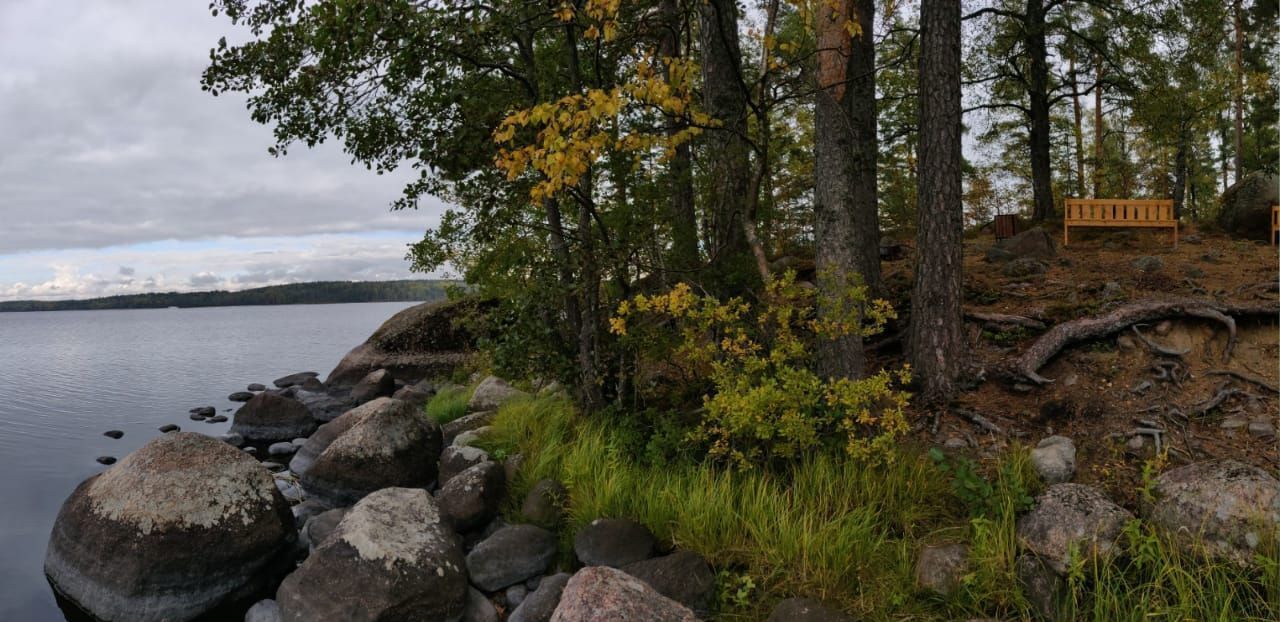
[[940, 568], [613, 542], [419, 342], [806, 610], [511, 555], [1246, 205], [454, 460], [602, 594], [178, 528], [381, 444], [491, 393], [375, 384], [471, 498], [1071, 516], [268, 418], [1222, 507], [391, 559], [468, 423], [541, 603], [682, 576], [1054, 459]]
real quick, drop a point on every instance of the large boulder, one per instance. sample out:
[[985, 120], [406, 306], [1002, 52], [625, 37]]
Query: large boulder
[[1222, 507], [602, 594], [940, 569], [511, 555], [378, 383], [174, 530], [613, 542], [544, 504], [268, 418], [323, 406], [1034, 243], [1246, 205], [471, 498], [285, 382], [380, 444], [454, 460], [540, 604], [1071, 517], [1054, 459], [421, 341], [391, 559], [467, 423], [491, 393], [682, 576]]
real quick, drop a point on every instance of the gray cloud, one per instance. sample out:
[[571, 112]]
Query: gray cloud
[[126, 271], [109, 141], [204, 279]]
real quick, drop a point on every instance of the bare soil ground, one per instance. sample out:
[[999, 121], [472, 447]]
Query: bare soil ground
[[1104, 391]]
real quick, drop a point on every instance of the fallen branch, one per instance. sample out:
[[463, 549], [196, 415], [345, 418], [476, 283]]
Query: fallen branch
[[978, 420], [1005, 319], [1245, 377], [1084, 329], [1155, 347], [1214, 402]]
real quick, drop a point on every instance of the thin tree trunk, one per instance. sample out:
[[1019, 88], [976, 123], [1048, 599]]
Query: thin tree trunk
[[683, 259], [728, 163], [1038, 93], [936, 339], [846, 223], [1098, 133], [1179, 173], [1239, 92], [1079, 128]]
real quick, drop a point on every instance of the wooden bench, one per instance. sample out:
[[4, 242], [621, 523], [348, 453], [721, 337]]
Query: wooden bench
[[1275, 222], [1156, 213]]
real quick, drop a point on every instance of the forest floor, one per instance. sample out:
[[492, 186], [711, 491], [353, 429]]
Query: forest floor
[[1106, 389]]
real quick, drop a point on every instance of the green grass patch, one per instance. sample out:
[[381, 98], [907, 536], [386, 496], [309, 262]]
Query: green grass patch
[[833, 528], [449, 404]]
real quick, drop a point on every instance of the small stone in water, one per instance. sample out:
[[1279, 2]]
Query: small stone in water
[[113, 434], [215, 419], [196, 417], [257, 387], [252, 451], [169, 427], [106, 460]]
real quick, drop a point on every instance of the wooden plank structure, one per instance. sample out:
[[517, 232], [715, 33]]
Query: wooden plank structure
[[1275, 223], [1156, 213], [1005, 225]]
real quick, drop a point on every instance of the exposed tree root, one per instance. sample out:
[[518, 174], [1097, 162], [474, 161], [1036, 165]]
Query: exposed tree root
[[1004, 319], [1245, 377], [1084, 329], [978, 420], [1214, 314], [1155, 347]]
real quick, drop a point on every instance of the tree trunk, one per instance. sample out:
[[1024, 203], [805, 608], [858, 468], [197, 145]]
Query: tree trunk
[[1179, 173], [936, 339], [1098, 133], [731, 268], [1239, 92], [683, 259], [1079, 128], [846, 223], [1038, 93]]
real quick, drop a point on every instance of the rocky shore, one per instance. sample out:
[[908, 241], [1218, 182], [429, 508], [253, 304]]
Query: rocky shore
[[338, 500]]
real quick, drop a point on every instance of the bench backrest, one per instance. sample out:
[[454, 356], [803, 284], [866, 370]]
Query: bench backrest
[[1119, 210]]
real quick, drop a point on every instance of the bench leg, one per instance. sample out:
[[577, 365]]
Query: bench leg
[[1065, 235]]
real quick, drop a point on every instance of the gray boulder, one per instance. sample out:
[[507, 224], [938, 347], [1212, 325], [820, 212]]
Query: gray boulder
[[544, 503], [294, 379], [319, 527], [174, 530], [613, 542], [378, 383], [1041, 585], [454, 460], [541, 603], [512, 555], [1246, 205], [1071, 516], [468, 423], [806, 610], [1035, 243], [1024, 267], [600, 594], [416, 394], [471, 498], [682, 576], [940, 568], [419, 342], [239, 396], [491, 393], [263, 611], [323, 407], [479, 608], [1054, 458], [381, 444], [283, 448], [268, 418], [255, 387], [1221, 507], [391, 559]]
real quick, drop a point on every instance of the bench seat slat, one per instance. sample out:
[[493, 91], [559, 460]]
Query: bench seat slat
[[1152, 213]]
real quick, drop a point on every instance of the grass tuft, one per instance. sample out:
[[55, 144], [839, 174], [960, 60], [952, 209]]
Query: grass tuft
[[449, 404]]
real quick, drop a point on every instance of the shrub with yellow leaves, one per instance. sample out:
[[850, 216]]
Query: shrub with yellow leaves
[[767, 403]]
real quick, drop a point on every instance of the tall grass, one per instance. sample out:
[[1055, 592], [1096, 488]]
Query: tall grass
[[449, 404], [838, 530]]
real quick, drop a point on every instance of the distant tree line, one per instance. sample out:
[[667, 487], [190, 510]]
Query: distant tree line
[[320, 292]]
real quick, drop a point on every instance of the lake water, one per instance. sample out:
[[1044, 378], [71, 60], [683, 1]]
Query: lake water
[[68, 376]]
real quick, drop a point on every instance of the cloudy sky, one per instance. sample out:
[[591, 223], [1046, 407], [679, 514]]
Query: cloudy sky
[[119, 175]]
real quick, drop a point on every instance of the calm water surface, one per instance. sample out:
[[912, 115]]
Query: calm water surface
[[68, 376]]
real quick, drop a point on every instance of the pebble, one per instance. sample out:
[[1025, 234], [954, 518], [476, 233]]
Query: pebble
[[1023, 388], [281, 449], [1233, 422], [106, 460], [233, 439], [299, 442], [207, 411], [240, 396], [252, 451], [169, 427], [1262, 429], [196, 417], [273, 466], [956, 442], [113, 434], [257, 386]]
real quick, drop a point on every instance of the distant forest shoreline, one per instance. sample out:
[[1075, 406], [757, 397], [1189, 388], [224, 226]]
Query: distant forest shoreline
[[318, 292]]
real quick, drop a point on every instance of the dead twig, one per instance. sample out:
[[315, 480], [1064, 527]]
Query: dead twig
[[1004, 319], [1155, 347]]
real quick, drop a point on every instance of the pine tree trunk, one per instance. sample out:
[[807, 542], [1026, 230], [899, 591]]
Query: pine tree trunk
[[1038, 93], [1179, 173], [731, 266], [846, 222], [1239, 92], [1098, 133], [1079, 128], [936, 339], [683, 259]]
